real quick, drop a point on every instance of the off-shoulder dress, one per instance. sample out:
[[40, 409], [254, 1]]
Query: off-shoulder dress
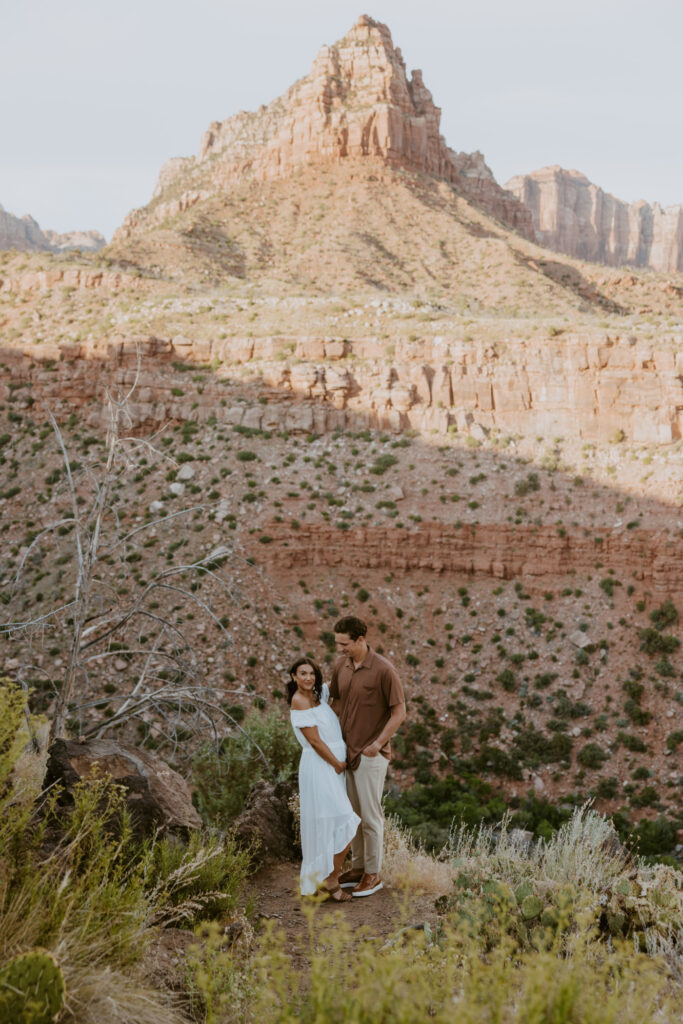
[[328, 822]]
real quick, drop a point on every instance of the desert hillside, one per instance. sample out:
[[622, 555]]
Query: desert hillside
[[330, 368], [352, 374]]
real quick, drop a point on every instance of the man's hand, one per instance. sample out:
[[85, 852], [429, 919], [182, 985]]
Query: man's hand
[[372, 749]]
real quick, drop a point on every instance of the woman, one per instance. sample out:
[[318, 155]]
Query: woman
[[328, 822]]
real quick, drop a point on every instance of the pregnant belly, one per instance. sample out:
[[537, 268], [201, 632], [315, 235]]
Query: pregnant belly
[[337, 748]]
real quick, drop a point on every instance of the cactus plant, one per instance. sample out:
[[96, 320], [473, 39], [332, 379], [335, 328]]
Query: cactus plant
[[523, 890], [531, 906], [32, 989]]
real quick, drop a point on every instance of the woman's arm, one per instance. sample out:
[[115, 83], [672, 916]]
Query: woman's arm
[[321, 748]]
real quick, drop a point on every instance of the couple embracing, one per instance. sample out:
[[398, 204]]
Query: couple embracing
[[344, 730]]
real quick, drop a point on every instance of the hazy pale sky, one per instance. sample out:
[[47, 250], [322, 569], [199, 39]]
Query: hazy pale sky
[[96, 95]]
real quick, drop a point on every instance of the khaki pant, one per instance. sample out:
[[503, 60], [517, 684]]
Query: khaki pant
[[364, 788]]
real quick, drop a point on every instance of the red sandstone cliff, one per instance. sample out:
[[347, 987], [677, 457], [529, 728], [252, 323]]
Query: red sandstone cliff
[[575, 217], [357, 102]]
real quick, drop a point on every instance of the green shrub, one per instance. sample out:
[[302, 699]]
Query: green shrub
[[493, 759], [633, 689], [429, 809], [654, 642], [637, 714], [633, 743], [674, 738], [224, 774], [608, 788], [507, 680], [647, 797], [527, 485], [608, 585], [382, 463], [592, 756], [533, 748], [665, 615]]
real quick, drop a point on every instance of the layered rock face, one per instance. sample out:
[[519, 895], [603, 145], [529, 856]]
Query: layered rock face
[[356, 103], [490, 549], [576, 386], [25, 234], [574, 216]]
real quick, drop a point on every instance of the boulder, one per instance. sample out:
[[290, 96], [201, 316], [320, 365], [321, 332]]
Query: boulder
[[267, 823], [156, 795]]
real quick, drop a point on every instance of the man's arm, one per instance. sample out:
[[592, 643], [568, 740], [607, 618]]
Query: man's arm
[[398, 714]]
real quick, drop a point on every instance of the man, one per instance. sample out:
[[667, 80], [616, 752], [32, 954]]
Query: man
[[367, 694]]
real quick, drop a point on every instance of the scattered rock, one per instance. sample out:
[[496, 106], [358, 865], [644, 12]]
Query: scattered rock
[[579, 639], [185, 472]]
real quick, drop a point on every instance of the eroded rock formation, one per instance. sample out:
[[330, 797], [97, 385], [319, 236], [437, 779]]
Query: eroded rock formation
[[357, 102], [574, 216]]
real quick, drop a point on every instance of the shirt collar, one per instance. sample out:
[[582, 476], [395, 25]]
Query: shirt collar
[[365, 663]]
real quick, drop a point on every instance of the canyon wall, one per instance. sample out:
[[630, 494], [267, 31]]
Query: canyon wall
[[357, 102], [573, 216], [597, 388]]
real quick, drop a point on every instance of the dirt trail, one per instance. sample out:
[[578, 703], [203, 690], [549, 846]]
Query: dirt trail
[[382, 914]]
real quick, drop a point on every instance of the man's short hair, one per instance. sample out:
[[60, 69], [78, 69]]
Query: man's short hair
[[353, 627]]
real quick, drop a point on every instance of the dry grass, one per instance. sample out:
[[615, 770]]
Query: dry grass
[[407, 866], [584, 852]]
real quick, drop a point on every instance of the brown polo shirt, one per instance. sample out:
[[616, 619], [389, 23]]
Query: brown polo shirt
[[366, 695]]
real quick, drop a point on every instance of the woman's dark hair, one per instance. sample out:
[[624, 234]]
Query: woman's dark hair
[[351, 626], [291, 685]]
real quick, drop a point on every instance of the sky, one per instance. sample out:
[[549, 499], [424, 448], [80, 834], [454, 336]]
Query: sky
[[96, 95]]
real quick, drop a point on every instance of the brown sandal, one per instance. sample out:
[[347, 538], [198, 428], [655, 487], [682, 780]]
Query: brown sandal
[[337, 895]]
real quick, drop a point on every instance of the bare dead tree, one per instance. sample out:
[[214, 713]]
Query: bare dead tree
[[103, 622]]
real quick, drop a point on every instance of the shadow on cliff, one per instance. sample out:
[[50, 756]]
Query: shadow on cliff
[[568, 277], [486, 510]]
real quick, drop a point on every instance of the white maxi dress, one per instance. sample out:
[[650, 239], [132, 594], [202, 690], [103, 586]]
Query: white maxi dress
[[328, 822]]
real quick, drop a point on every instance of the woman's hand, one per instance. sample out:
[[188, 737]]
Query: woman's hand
[[340, 767]]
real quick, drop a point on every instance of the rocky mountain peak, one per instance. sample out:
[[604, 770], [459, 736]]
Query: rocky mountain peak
[[358, 102]]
